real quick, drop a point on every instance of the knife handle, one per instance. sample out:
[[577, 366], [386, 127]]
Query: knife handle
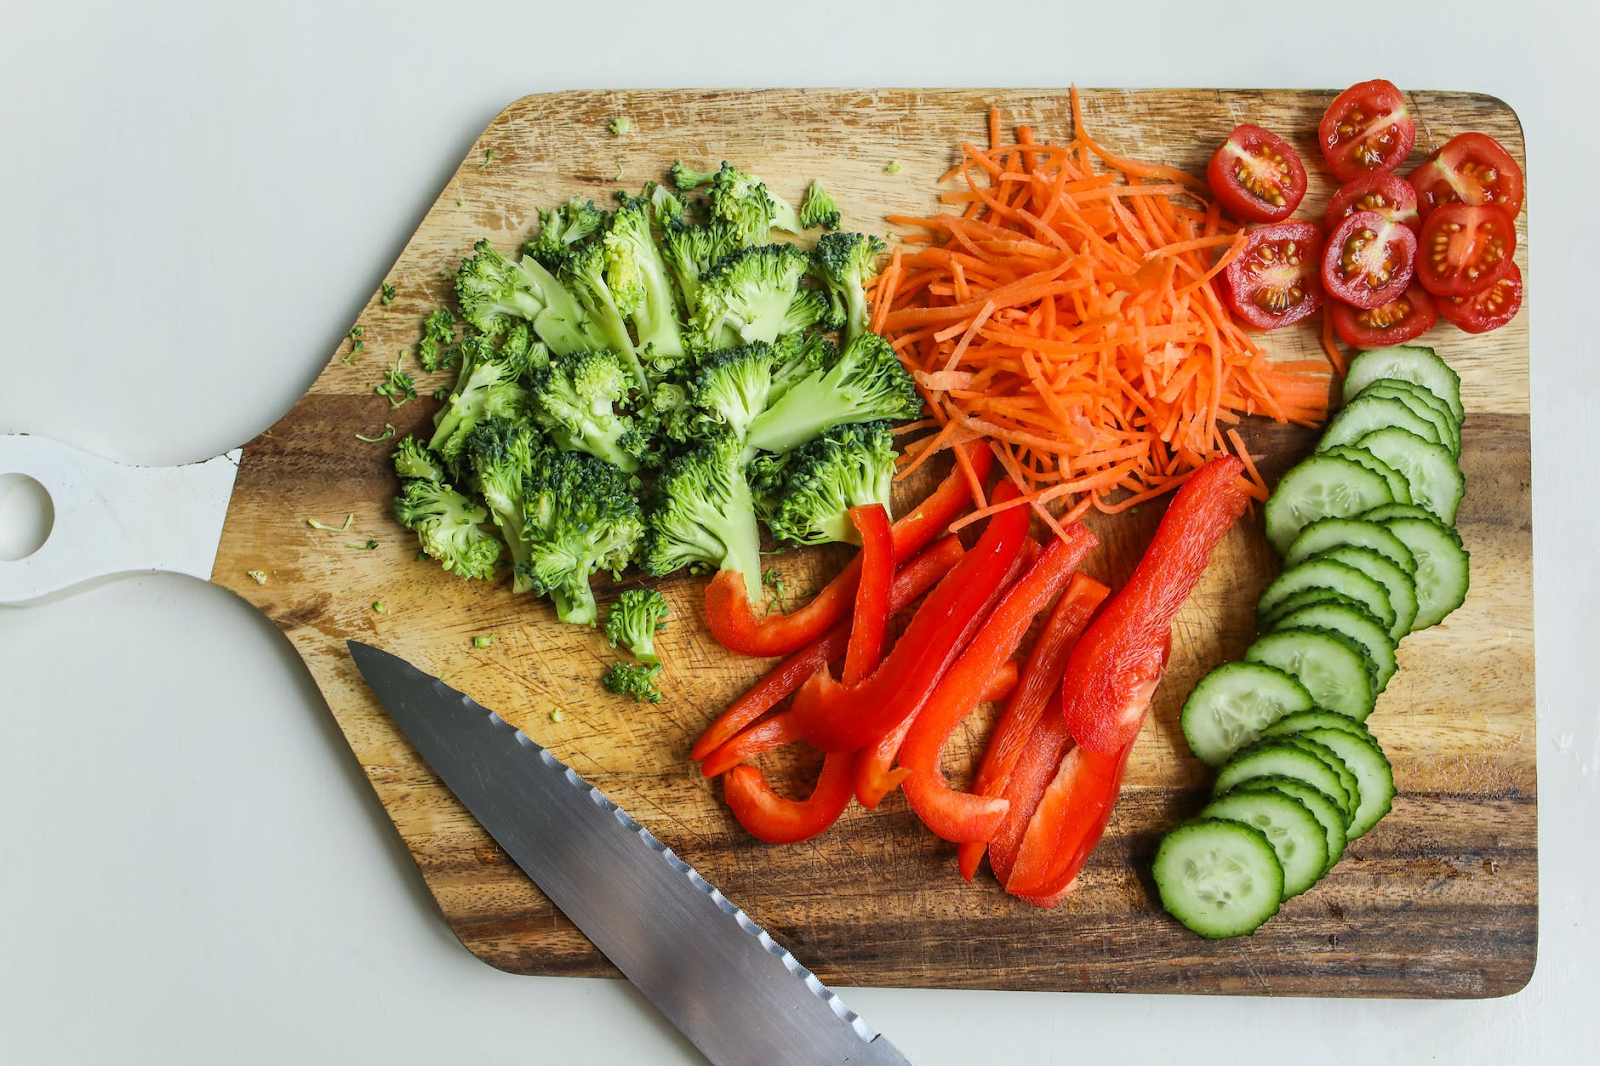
[[111, 518]]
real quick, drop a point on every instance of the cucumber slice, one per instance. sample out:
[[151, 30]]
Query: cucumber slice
[[1277, 757], [1328, 533], [1328, 814], [1406, 363], [1398, 487], [1219, 878], [1366, 414], [1289, 826], [1347, 776], [1374, 777], [1315, 719], [1383, 513], [1374, 640], [1443, 572], [1330, 665], [1321, 487], [1429, 468], [1327, 574], [1400, 586], [1232, 705], [1314, 595], [1424, 403]]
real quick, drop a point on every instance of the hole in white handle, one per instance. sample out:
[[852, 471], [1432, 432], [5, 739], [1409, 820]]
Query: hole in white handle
[[27, 515]]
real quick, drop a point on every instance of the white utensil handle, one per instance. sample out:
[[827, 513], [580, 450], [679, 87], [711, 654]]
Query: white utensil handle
[[111, 518]]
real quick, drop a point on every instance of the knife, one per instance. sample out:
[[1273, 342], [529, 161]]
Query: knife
[[736, 993]]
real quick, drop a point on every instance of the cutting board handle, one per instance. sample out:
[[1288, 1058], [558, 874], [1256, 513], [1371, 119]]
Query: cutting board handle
[[111, 518]]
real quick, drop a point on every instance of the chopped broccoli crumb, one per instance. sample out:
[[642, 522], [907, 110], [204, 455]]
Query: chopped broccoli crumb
[[398, 385], [483, 640], [388, 431], [633, 679], [555, 714], [386, 295], [437, 350], [618, 126], [893, 167], [258, 576], [488, 157], [348, 519], [772, 578], [441, 393], [356, 346], [370, 545], [379, 607]]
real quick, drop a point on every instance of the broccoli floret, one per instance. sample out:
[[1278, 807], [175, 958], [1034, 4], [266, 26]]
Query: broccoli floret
[[632, 679], [704, 515], [447, 524], [437, 349], [795, 357], [583, 273], [503, 453], [634, 266], [487, 386], [846, 262], [690, 180], [633, 621], [690, 253], [494, 292], [805, 497], [755, 295], [745, 203], [576, 397], [867, 383], [561, 227], [664, 420], [818, 208], [731, 386], [580, 517], [412, 459]]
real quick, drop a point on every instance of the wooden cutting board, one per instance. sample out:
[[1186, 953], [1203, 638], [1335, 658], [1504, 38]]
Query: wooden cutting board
[[1440, 900]]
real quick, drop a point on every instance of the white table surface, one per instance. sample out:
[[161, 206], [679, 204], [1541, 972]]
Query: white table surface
[[197, 198]]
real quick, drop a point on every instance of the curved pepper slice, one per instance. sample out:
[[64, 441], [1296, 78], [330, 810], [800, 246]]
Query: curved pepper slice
[[779, 820], [1137, 621], [963, 816], [913, 579], [1038, 682], [836, 717], [735, 624], [869, 625]]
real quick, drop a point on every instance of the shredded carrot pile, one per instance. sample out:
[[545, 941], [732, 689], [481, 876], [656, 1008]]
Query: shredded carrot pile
[[1064, 312]]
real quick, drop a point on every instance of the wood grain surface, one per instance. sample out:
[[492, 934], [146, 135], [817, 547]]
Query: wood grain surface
[[1440, 900]]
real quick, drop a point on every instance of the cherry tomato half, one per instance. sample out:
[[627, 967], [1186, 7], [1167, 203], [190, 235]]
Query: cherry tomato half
[[1463, 250], [1366, 128], [1388, 194], [1368, 260], [1487, 310], [1273, 281], [1400, 321], [1256, 176], [1470, 169]]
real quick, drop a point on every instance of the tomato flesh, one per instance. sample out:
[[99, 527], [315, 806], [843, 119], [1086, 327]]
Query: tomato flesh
[[1368, 260], [1400, 321], [1273, 281], [1256, 176], [1464, 249], [1471, 169], [1366, 128], [1487, 310], [1388, 194]]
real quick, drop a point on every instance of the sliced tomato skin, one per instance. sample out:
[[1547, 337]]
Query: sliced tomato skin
[[1360, 108], [1368, 260], [1487, 310], [1472, 169], [1400, 321], [1275, 280], [1465, 249], [1252, 148], [1388, 194]]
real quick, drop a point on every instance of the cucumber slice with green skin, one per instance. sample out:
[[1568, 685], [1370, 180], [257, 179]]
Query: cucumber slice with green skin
[[1374, 640], [1277, 757], [1383, 513], [1232, 705], [1330, 665], [1314, 595], [1219, 878], [1347, 776], [1406, 363], [1443, 570], [1367, 414], [1328, 814], [1327, 574], [1316, 719], [1289, 826], [1328, 533], [1398, 487], [1374, 777], [1423, 403], [1401, 586], [1429, 468], [1321, 487]]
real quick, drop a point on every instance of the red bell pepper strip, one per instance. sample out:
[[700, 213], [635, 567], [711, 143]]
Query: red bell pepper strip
[[913, 579], [1137, 621], [835, 717], [734, 623], [869, 626], [962, 816], [778, 820], [1038, 683]]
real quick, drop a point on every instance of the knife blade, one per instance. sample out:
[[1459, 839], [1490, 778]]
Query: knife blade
[[736, 993]]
